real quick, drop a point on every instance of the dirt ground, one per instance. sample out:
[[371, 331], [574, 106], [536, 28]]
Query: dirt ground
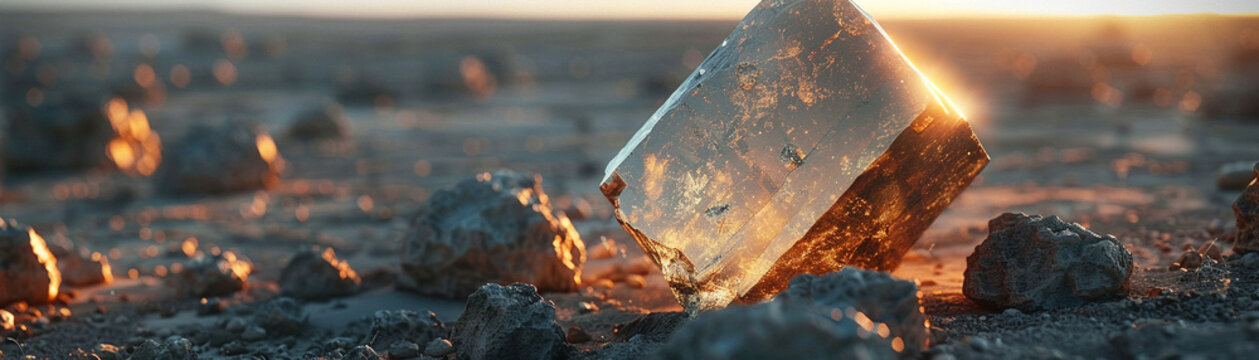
[[566, 97]]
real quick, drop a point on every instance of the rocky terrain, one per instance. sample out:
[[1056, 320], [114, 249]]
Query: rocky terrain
[[334, 173]]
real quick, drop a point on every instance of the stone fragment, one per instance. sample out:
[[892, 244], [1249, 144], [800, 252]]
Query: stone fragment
[[80, 268], [1236, 175], [880, 297], [213, 275], [172, 348], [28, 269], [806, 142], [496, 228], [325, 121], [231, 157], [318, 275], [64, 132], [776, 330], [439, 348], [1247, 210], [509, 322], [1032, 263], [391, 327]]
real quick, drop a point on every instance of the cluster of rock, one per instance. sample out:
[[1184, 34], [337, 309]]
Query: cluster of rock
[[496, 228], [231, 157], [1033, 263]]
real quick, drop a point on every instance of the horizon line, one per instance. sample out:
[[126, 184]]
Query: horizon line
[[374, 15]]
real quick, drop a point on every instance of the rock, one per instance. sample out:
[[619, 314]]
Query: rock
[[509, 322], [576, 335], [316, 275], [253, 333], [775, 330], [1191, 260], [81, 269], [1033, 263], [65, 132], [391, 327], [235, 325], [880, 297], [654, 327], [6, 320], [281, 316], [439, 348], [1247, 210], [1236, 175], [404, 350], [362, 352], [213, 275], [234, 156], [172, 348], [325, 121], [496, 228], [28, 269]]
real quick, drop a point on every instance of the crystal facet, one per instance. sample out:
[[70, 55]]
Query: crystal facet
[[806, 142]]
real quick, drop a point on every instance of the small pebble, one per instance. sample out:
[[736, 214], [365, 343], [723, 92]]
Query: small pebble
[[235, 325], [439, 348], [404, 350], [576, 335], [253, 333]]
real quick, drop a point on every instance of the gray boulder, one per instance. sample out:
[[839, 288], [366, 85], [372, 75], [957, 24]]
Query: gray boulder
[[496, 228], [28, 269], [1032, 263], [318, 275], [775, 330], [1247, 210], [509, 322], [232, 157], [877, 295], [325, 121], [64, 132]]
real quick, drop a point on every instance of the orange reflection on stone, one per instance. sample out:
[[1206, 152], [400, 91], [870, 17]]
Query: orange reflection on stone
[[806, 142]]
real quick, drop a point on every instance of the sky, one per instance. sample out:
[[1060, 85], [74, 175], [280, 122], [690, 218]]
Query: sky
[[646, 9]]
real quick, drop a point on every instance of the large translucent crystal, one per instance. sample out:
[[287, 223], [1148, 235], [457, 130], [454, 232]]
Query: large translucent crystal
[[804, 143]]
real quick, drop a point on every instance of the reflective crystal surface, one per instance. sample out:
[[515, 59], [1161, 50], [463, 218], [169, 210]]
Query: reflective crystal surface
[[804, 143]]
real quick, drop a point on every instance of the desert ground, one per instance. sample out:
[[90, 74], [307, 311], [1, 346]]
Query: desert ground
[[1119, 124]]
